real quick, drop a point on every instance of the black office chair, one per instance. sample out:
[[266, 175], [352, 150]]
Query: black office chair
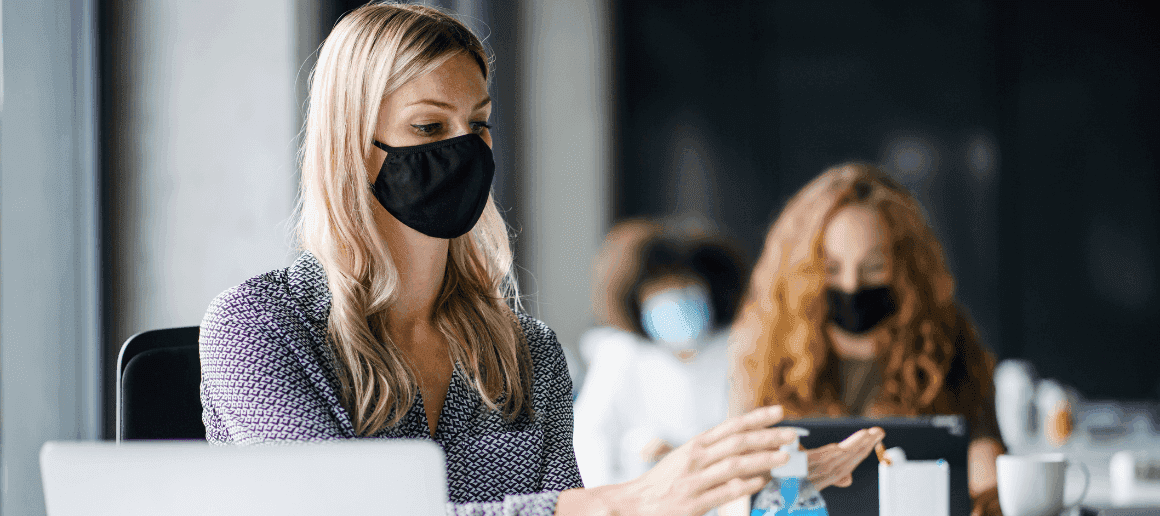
[[158, 377]]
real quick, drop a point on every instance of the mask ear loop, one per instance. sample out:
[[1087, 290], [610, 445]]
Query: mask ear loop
[[385, 148]]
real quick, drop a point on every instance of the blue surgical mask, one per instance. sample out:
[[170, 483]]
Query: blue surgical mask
[[677, 316]]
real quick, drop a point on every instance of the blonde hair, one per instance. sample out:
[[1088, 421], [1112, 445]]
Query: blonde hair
[[784, 356], [370, 53]]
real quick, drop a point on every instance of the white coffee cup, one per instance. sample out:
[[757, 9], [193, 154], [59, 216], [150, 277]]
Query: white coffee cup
[[1032, 485]]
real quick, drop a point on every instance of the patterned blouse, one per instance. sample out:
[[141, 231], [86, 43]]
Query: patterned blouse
[[268, 375]]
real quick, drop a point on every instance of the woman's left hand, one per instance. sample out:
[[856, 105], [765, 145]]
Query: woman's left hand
[[986, 504], [833, 464]]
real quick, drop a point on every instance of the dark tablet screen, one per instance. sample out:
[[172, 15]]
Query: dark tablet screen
[[922, 438]]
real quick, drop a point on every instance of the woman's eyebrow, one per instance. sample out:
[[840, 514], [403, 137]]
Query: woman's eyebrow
[[432, 102], [448, 106]]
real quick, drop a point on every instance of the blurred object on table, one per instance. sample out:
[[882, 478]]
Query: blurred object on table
[[1054, 406], [1119, 440], [1015, 401], [1135, 478], [1125, 511]]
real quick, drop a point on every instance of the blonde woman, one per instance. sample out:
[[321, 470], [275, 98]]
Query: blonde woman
[[397, 319], [851, 311]]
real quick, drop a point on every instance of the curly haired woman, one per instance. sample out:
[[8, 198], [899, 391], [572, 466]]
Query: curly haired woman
[[851, 311]]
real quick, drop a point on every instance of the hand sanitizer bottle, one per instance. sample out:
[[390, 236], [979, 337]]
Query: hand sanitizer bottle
[[790, 494]]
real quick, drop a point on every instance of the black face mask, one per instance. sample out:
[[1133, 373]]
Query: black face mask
[[438, 189], [862, 310]]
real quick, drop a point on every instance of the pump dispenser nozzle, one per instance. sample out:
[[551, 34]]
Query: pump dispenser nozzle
[[797, 465]]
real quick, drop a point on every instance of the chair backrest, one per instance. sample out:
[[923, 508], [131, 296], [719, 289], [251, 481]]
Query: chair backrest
[[158, 379]]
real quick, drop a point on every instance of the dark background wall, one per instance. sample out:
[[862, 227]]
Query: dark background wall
[[1082, 102], [1026, 130]]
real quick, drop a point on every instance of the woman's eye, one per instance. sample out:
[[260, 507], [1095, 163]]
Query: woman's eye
[[478, 127], [832, 269], [427, 129]]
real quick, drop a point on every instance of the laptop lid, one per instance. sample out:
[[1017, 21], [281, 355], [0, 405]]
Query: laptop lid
[[922, 438], [380, 476]]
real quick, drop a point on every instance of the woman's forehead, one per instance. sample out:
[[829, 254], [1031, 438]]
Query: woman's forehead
[[457, 81], [854, 233]]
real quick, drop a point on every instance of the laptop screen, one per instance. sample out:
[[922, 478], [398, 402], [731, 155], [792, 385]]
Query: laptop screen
[[371, 476]]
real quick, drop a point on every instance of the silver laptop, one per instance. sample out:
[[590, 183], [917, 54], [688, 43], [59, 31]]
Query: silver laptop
[[380, 476]]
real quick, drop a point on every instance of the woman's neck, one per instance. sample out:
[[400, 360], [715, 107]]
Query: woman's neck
[[421, 262], [853, 346]]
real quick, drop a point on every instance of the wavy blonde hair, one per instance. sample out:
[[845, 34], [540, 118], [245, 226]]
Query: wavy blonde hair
[[371, 52], [784, 356]]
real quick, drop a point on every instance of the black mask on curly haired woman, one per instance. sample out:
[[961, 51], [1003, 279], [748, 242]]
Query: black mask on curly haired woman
[[860, 311]]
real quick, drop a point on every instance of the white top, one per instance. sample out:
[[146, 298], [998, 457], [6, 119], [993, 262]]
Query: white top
[[636, 391]]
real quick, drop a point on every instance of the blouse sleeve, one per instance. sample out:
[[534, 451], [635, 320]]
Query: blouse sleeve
[[254, 387], [535, 504], [560, 470]]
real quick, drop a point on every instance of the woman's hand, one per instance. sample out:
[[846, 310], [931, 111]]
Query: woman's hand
[[832, 464], [729, 461], [986, 504], [981, 479]]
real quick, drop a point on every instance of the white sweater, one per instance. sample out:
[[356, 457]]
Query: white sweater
[[636, 391]]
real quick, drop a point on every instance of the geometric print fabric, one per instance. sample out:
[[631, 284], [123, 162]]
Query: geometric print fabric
[[268, 375]]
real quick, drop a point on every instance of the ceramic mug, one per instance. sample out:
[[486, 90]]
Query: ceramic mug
[[1032, 485]]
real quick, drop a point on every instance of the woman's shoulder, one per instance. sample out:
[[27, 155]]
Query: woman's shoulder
[[256, 297], [971, 351], [297, 290], [549, 364], [542, 341], [273, 314], [268, 320]]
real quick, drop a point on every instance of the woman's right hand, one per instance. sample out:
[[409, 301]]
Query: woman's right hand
[[729, 461]]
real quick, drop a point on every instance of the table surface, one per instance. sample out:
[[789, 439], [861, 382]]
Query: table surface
[[1092, 445]]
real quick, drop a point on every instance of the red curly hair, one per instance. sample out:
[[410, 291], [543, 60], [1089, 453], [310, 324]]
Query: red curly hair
[[933, 362]]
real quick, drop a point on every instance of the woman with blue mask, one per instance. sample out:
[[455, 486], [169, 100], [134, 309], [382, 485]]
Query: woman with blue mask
[[659, 378]]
